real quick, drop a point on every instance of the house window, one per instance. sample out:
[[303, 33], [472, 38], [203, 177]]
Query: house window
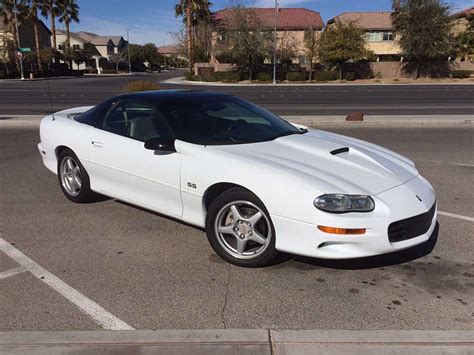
[[374, 36], [76, 47], [388, 36], [379, 36]]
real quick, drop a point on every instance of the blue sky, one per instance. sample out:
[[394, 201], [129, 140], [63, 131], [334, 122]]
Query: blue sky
[[157, 21]]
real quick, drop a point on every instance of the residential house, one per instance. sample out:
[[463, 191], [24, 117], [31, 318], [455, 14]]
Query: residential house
[[461, 20], [292, 23], [26, 33], [378, 28], [105, 46]]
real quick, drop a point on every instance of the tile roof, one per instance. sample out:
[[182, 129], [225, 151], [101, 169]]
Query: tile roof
[[465, 13], [288, 18], [173, 49], [367, 20]]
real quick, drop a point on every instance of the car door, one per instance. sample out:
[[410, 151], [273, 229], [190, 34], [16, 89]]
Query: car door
[[124, 169]]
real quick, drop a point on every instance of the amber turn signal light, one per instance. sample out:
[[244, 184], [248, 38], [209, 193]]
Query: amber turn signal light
[[342, 231]]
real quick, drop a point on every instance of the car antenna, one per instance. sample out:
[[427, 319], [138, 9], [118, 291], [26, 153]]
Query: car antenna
[[50, 98]]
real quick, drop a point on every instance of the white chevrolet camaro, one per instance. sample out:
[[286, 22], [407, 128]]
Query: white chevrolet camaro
[[257, 183]]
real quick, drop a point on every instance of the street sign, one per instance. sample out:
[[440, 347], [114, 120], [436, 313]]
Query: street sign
[[24, 50]]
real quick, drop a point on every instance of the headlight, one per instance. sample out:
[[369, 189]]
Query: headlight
[[338, 203]]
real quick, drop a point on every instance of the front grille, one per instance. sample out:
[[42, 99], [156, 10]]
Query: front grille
[[411, 227]]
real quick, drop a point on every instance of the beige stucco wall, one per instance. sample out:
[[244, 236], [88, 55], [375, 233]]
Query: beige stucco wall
[[384, 48], [296, 36], [460, 25], [61, 39]]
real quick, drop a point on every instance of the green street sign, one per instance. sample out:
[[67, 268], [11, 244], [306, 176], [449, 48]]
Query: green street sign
[[25, 50]]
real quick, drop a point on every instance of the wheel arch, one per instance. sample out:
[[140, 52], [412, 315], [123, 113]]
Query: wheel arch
[[61, 148], [216, 189]]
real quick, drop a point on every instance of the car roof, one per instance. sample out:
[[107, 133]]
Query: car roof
[[160, 95]]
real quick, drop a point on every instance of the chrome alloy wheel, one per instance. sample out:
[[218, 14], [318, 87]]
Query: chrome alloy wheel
[[243, 230], [70, 176]]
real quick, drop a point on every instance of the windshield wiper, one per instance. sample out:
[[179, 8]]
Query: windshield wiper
[[291, 132]]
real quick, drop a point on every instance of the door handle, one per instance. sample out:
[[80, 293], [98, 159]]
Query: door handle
[[97, 144]]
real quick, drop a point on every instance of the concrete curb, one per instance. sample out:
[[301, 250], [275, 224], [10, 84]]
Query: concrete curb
[[182, 81], [240, 341], [28, 121]]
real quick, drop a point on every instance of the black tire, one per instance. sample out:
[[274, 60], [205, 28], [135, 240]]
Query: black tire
[[268, 253], [85, 194]]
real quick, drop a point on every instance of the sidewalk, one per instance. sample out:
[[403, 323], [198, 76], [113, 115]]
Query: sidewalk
[[245, 341], [183, 81], [16, 121]]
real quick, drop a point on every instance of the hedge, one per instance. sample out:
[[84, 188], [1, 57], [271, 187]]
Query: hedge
[[461, 74], [326, 76], [296, 76]]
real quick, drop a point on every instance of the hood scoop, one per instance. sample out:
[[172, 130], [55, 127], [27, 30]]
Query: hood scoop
[[340, 150]]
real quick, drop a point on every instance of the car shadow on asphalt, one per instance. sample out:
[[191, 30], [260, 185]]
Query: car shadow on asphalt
[[378, 261], [372, 262]]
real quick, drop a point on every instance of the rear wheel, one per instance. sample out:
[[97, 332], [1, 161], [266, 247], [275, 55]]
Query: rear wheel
[[73, 178], [239, 229]]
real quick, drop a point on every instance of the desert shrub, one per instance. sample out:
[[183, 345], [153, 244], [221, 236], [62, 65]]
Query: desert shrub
[[296, 76], [229, 76], [326, 76], [378, 75], [109, 71], [350, 76], [264, 76], [140, 85], [461, 74]]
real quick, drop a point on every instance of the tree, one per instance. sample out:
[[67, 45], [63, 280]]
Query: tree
[[287, 49], [246, 41], [193, 11], [69, 12], [423, 30], [311, 43], [7, 9], [342, 43], [50, 9], [117, 59], [32, 15], [464, 41], [151, 55]]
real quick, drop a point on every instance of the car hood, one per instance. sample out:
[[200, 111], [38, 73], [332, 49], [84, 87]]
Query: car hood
[[322, 159]]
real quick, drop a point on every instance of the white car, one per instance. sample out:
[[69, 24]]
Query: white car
[[257, 183]]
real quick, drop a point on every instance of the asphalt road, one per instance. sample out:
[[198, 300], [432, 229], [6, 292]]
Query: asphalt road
[[44, 96], [155, 273]]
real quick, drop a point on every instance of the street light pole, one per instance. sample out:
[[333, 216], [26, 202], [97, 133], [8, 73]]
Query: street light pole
[[275, 42], [128, 47], [18, 42]]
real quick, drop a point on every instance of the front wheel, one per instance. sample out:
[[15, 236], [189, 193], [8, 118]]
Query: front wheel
[[239, 229], [73, 178]]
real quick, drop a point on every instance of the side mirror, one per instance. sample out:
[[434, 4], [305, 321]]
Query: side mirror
[[160, 144]]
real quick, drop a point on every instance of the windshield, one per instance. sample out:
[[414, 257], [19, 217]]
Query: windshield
[[222, 120]]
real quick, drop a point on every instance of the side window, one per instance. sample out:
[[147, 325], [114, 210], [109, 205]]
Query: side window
[[135, 119]]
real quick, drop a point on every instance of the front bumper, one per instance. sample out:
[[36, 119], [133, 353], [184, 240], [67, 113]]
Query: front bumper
[[399, 203]]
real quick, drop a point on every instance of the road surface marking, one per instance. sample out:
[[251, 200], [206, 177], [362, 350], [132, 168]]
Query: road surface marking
[[447, 214], [102, 317], [12, 272]]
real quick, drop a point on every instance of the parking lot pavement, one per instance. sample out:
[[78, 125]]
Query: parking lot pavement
[[151, 272]]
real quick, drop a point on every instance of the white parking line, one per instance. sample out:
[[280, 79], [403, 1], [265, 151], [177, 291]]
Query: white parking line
[[447, 214], [102, 317], [12, 272]]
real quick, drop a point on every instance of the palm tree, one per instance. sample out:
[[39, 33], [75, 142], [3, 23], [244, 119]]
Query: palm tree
[[192, 11], [50, 8], [69, 12], [32, 14]]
